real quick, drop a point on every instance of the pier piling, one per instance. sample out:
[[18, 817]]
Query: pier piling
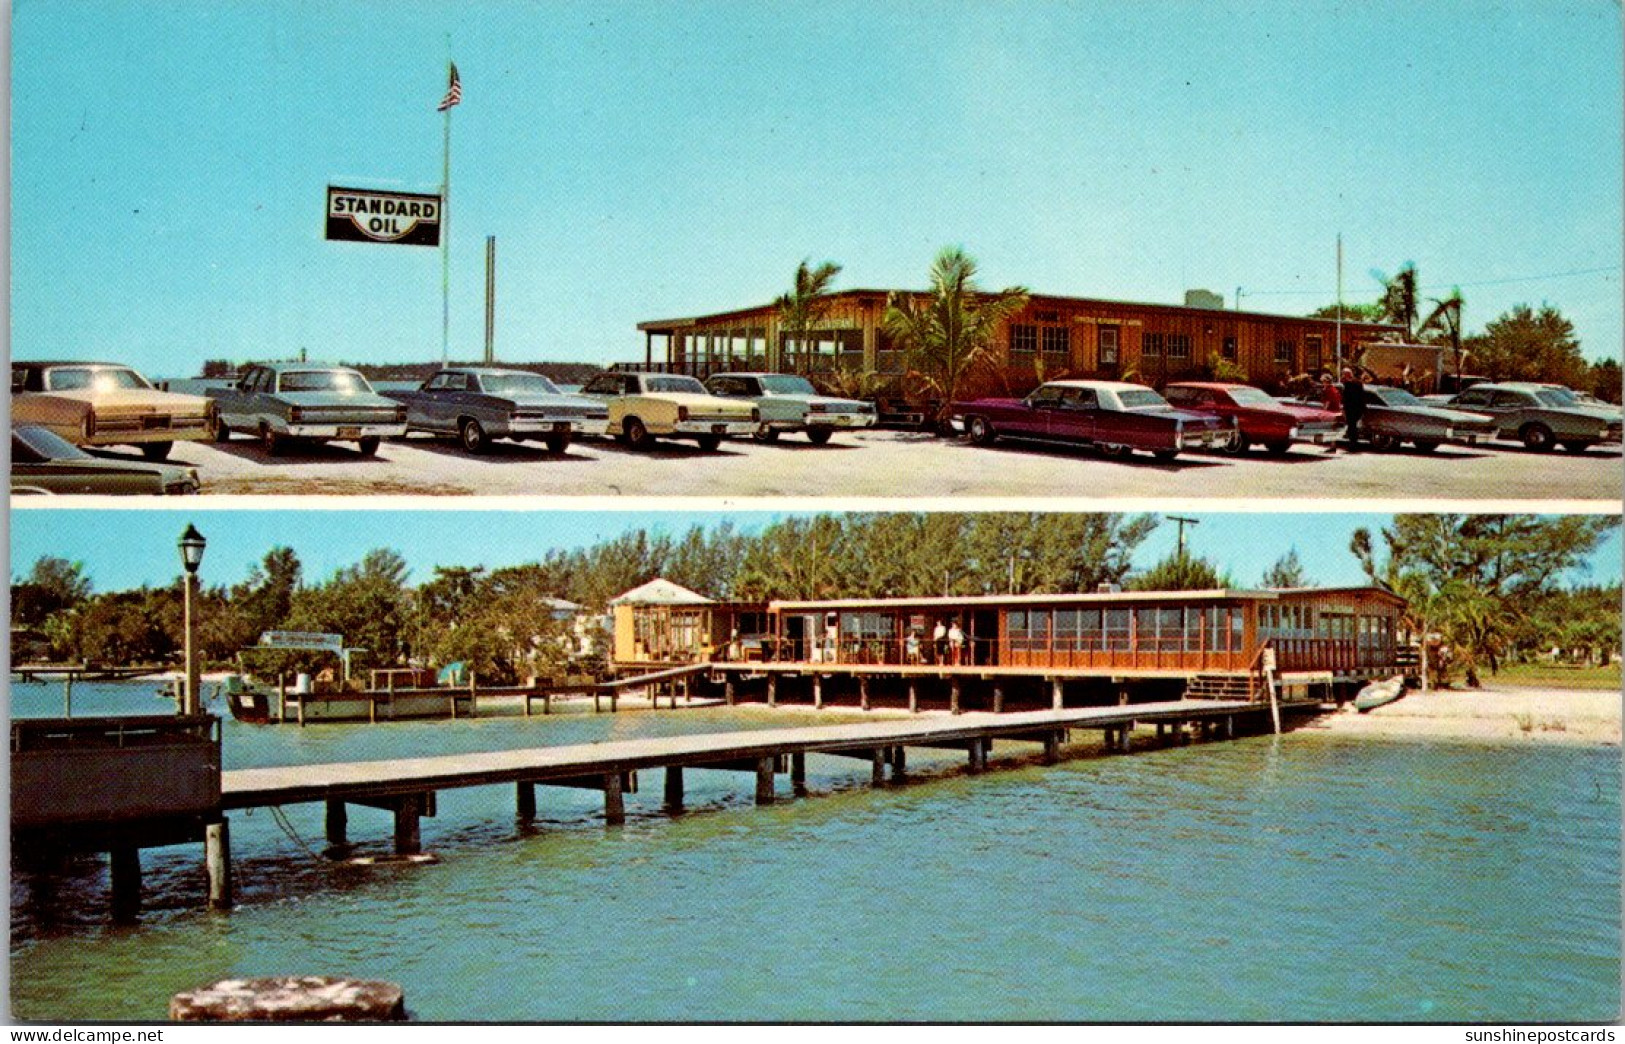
[[998, 699], [1056, 699], [217, 859], [408, 834], [764, 779], [338, 822], [125, 866], [614, 800], [863, 692], [953, 695], [772, 690], [899, 763], [798, 773], [674, 788], [525, 800], [818, 692], [877, 770], [913, 698]]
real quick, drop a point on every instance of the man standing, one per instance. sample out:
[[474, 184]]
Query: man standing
[[1353, 406]]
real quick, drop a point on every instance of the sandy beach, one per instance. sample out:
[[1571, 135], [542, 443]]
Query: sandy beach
[[1523, 715]]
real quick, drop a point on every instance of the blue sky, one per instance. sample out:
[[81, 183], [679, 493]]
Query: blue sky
[[144, 551], [639, 160]]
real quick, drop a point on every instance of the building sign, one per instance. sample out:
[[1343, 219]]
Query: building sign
[[366, 216], [307, 640]]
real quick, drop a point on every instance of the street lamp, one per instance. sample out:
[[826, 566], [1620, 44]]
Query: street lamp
[[191, 545]]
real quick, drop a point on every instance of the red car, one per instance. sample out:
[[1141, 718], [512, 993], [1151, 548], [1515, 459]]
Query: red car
[[1261, 418], [1115, 417]]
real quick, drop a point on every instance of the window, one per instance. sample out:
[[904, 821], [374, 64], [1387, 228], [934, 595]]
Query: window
[[1057, 340], [456, 382], [1048, 316], [1078, 399], [1228, 350], [1179, 346], [1090, 630], [1117, 630], [1023, 337], [1284, 352], [1066, 628], [1152, 344], [1509, 400], [1108, 345]]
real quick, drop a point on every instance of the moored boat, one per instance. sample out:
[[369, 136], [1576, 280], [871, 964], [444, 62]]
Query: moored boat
[[1379, 693]]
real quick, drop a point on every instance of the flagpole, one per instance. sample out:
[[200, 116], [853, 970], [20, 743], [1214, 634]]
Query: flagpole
[[445, 245], [1339, 355]]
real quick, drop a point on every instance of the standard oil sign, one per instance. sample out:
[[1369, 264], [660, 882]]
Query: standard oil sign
[[366, 216]]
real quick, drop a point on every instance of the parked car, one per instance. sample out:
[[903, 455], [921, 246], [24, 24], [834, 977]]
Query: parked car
[[479, 403], [790, 403], [1394, 416], [1542, 416], [644, 407], [104, 404], [1117, 417], [1259, 417], [44, 462], [280, 402]]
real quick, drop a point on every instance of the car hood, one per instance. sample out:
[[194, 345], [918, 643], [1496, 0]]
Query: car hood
[[1301, 413], [1175, 413], [1601, 413], [1435, 413], [713, 403], [132, 400]]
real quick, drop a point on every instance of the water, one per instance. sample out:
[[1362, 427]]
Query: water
[[1314, 878]]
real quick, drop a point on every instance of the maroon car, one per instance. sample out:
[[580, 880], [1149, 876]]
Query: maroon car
[[1259, 417], [1119, 418]]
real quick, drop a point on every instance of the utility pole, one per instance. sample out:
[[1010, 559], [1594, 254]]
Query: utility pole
[[1183, 522], [490, 299]]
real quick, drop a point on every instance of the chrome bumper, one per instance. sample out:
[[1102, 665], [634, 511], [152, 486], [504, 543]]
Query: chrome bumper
[[840, 420], [554, 425], [344, 431], [704, 427]]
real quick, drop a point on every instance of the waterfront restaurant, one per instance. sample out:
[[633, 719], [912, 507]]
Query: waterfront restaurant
[[1334, 635], [1051, 337]]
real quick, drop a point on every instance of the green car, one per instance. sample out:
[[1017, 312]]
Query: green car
[[43, 462]]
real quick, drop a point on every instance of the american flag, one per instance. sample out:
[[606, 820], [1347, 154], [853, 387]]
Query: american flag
[[454, 91]]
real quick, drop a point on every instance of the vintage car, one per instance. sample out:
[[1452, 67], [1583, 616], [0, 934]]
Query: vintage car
[[791, 403], [281, 402], [644, 407], [103, 404], [1260, 418], [478, 403], [44, 462], [1394, 416], [1119, 418], [1542, 416]]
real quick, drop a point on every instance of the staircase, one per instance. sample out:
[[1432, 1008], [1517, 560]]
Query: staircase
[[1219, 687]]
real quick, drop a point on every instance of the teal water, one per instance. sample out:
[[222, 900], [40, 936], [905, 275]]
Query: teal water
[[1315, 877]]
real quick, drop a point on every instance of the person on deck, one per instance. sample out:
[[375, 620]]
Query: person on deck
[[911, 647], [956, 644], [939, 642]]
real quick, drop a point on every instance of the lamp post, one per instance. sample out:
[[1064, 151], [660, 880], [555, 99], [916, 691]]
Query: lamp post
[[191, 545]]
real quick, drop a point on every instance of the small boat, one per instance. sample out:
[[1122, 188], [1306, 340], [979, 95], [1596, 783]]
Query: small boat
[[1380, 693], [248, 700]]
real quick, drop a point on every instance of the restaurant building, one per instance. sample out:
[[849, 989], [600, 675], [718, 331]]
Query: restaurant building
[[1196, 642], [1051, 337]]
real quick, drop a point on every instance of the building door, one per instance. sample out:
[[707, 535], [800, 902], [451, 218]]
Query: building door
[[984, 637], [1107, 360], [1313, 356]]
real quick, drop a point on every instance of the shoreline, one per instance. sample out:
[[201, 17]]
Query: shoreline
[[1495, 714]]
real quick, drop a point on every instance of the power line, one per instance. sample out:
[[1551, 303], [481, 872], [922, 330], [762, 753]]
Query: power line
[[1448, 286]]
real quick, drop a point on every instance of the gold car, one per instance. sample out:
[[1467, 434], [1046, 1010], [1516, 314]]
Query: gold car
[[104, 404]]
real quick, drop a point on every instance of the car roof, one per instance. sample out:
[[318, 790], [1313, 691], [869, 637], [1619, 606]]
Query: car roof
[[45, 363], [1114, 385], [492, 371], [753, 373], [284, 366], [1211, 385]]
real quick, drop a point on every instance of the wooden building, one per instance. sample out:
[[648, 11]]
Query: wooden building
[[1345, 634], [1051, 337]]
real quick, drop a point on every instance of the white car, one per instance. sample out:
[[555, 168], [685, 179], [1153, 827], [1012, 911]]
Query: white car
[[791, 403], [644, 407]]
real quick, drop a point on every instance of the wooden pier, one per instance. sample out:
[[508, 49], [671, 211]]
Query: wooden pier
[[408, 787]]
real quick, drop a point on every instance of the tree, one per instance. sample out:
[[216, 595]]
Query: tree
[[1401, 300], [1526, 345], [54, 585], [803, 308], [1350, 313], [949, 331], [1605, 380], [1181, 571], [1286, 572], [1446, 320]]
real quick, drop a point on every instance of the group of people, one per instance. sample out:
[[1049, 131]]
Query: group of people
[[947, 645], [1348, 398]]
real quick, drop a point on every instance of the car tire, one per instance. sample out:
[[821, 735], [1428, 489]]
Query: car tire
[[765, 434], [1278, 448], [1427, 446], [708, 443], [1537, 437], [558, 443], [1238, 446], [471, 436], [1383, 442], [156, 450], [222, 431], [981, 432], [637, 436], [818, 436], [276, 445], [368, 446], [1165, 454]]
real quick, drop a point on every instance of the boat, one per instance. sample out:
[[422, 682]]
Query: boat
[[249, 701], [1379, 693]]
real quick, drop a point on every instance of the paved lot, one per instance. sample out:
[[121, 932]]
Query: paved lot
[[899, 464]]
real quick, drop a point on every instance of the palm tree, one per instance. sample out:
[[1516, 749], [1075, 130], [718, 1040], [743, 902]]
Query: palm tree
[[803, 308], [949, 330], [1399, 298], [1446, 317]]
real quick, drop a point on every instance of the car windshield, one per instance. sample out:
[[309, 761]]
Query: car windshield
[[45, 444], [96, 378], [518, 384], [1140, 399], [1557, 397], [1251, 397], [341, 382], [785, 384], [1393, 396], [683, 385]]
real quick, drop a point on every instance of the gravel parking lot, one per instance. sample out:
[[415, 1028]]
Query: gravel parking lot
[[901, 464]]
